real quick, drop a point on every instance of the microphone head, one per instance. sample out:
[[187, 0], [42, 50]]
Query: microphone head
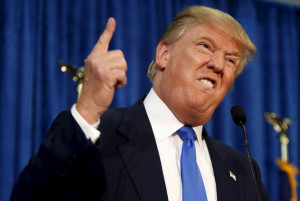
[[238, 115]]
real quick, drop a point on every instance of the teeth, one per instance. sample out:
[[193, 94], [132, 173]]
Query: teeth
[[207, 82]]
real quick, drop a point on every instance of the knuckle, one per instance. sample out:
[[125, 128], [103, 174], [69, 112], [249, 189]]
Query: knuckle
[[125, 65], [87, 60], [119, 53], [91, 61]]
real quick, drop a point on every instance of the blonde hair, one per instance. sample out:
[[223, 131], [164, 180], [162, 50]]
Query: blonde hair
[[201, 14]]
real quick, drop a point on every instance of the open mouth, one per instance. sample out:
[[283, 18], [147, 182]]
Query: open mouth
[[209, 83]]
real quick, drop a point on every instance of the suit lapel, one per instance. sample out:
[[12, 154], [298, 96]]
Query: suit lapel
[[226, 176], [140, 154]]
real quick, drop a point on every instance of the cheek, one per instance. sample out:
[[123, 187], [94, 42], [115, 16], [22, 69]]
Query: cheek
[[177, 72], [183, 57], [228, 78]]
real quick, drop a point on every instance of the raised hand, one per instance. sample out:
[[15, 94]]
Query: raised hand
[[105, 71]]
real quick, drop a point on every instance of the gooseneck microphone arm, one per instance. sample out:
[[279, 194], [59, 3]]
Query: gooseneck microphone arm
[[250, 161], [239, 118]]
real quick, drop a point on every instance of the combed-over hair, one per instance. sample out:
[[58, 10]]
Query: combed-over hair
[[201, 14]]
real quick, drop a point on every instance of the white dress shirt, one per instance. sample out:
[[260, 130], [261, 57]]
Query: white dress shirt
[[164, 125]]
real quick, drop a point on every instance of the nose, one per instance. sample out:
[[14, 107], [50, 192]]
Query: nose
[[216, 63]]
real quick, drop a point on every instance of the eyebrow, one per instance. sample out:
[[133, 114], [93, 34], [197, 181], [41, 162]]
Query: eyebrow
[[213, 42], [235, 53]]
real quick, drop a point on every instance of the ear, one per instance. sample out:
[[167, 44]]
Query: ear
[[161, 57]]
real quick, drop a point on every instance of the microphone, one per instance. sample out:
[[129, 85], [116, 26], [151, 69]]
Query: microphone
[[239, 118], [238, 115]]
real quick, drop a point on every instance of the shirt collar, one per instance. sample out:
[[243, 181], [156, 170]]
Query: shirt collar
[[163, 122]]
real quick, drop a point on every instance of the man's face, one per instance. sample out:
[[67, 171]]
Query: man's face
[[196, 72]]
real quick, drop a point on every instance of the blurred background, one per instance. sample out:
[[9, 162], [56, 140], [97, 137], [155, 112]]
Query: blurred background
[[36, 34]]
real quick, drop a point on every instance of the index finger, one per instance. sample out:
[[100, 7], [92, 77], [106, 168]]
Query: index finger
[[104, 40]]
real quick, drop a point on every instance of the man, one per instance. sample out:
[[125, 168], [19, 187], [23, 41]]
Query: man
[[136, 153]]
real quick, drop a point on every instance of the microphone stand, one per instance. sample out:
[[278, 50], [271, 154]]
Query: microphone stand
[[250, 160]]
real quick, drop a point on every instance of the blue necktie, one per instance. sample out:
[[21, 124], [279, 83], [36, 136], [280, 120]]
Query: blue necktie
[[192, 184]]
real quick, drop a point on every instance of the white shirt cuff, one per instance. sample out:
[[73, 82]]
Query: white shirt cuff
[[90, 130]]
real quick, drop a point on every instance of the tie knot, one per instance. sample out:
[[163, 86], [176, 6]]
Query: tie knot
[[186, 133]]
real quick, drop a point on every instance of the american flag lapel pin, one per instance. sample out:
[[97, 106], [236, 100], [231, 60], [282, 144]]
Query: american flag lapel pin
[[232, 175]]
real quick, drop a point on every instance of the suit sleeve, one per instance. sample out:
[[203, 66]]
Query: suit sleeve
[[55, 171]]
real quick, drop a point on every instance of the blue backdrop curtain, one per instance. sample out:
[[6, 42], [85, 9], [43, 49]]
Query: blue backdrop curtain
[[36, 34]]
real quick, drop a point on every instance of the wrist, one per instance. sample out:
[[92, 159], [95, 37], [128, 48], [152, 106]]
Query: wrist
[[89, 111]]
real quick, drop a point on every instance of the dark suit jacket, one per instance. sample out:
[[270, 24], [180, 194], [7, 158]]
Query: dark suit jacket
[[123, 165]]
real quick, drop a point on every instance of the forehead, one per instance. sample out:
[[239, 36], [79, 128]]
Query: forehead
[[213, 34]]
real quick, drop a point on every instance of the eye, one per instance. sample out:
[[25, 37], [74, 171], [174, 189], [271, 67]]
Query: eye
[[231, 61], [205, 45]]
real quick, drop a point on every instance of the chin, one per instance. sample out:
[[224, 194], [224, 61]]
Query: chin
[[196, 119], [194, 123], [195, 114]]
